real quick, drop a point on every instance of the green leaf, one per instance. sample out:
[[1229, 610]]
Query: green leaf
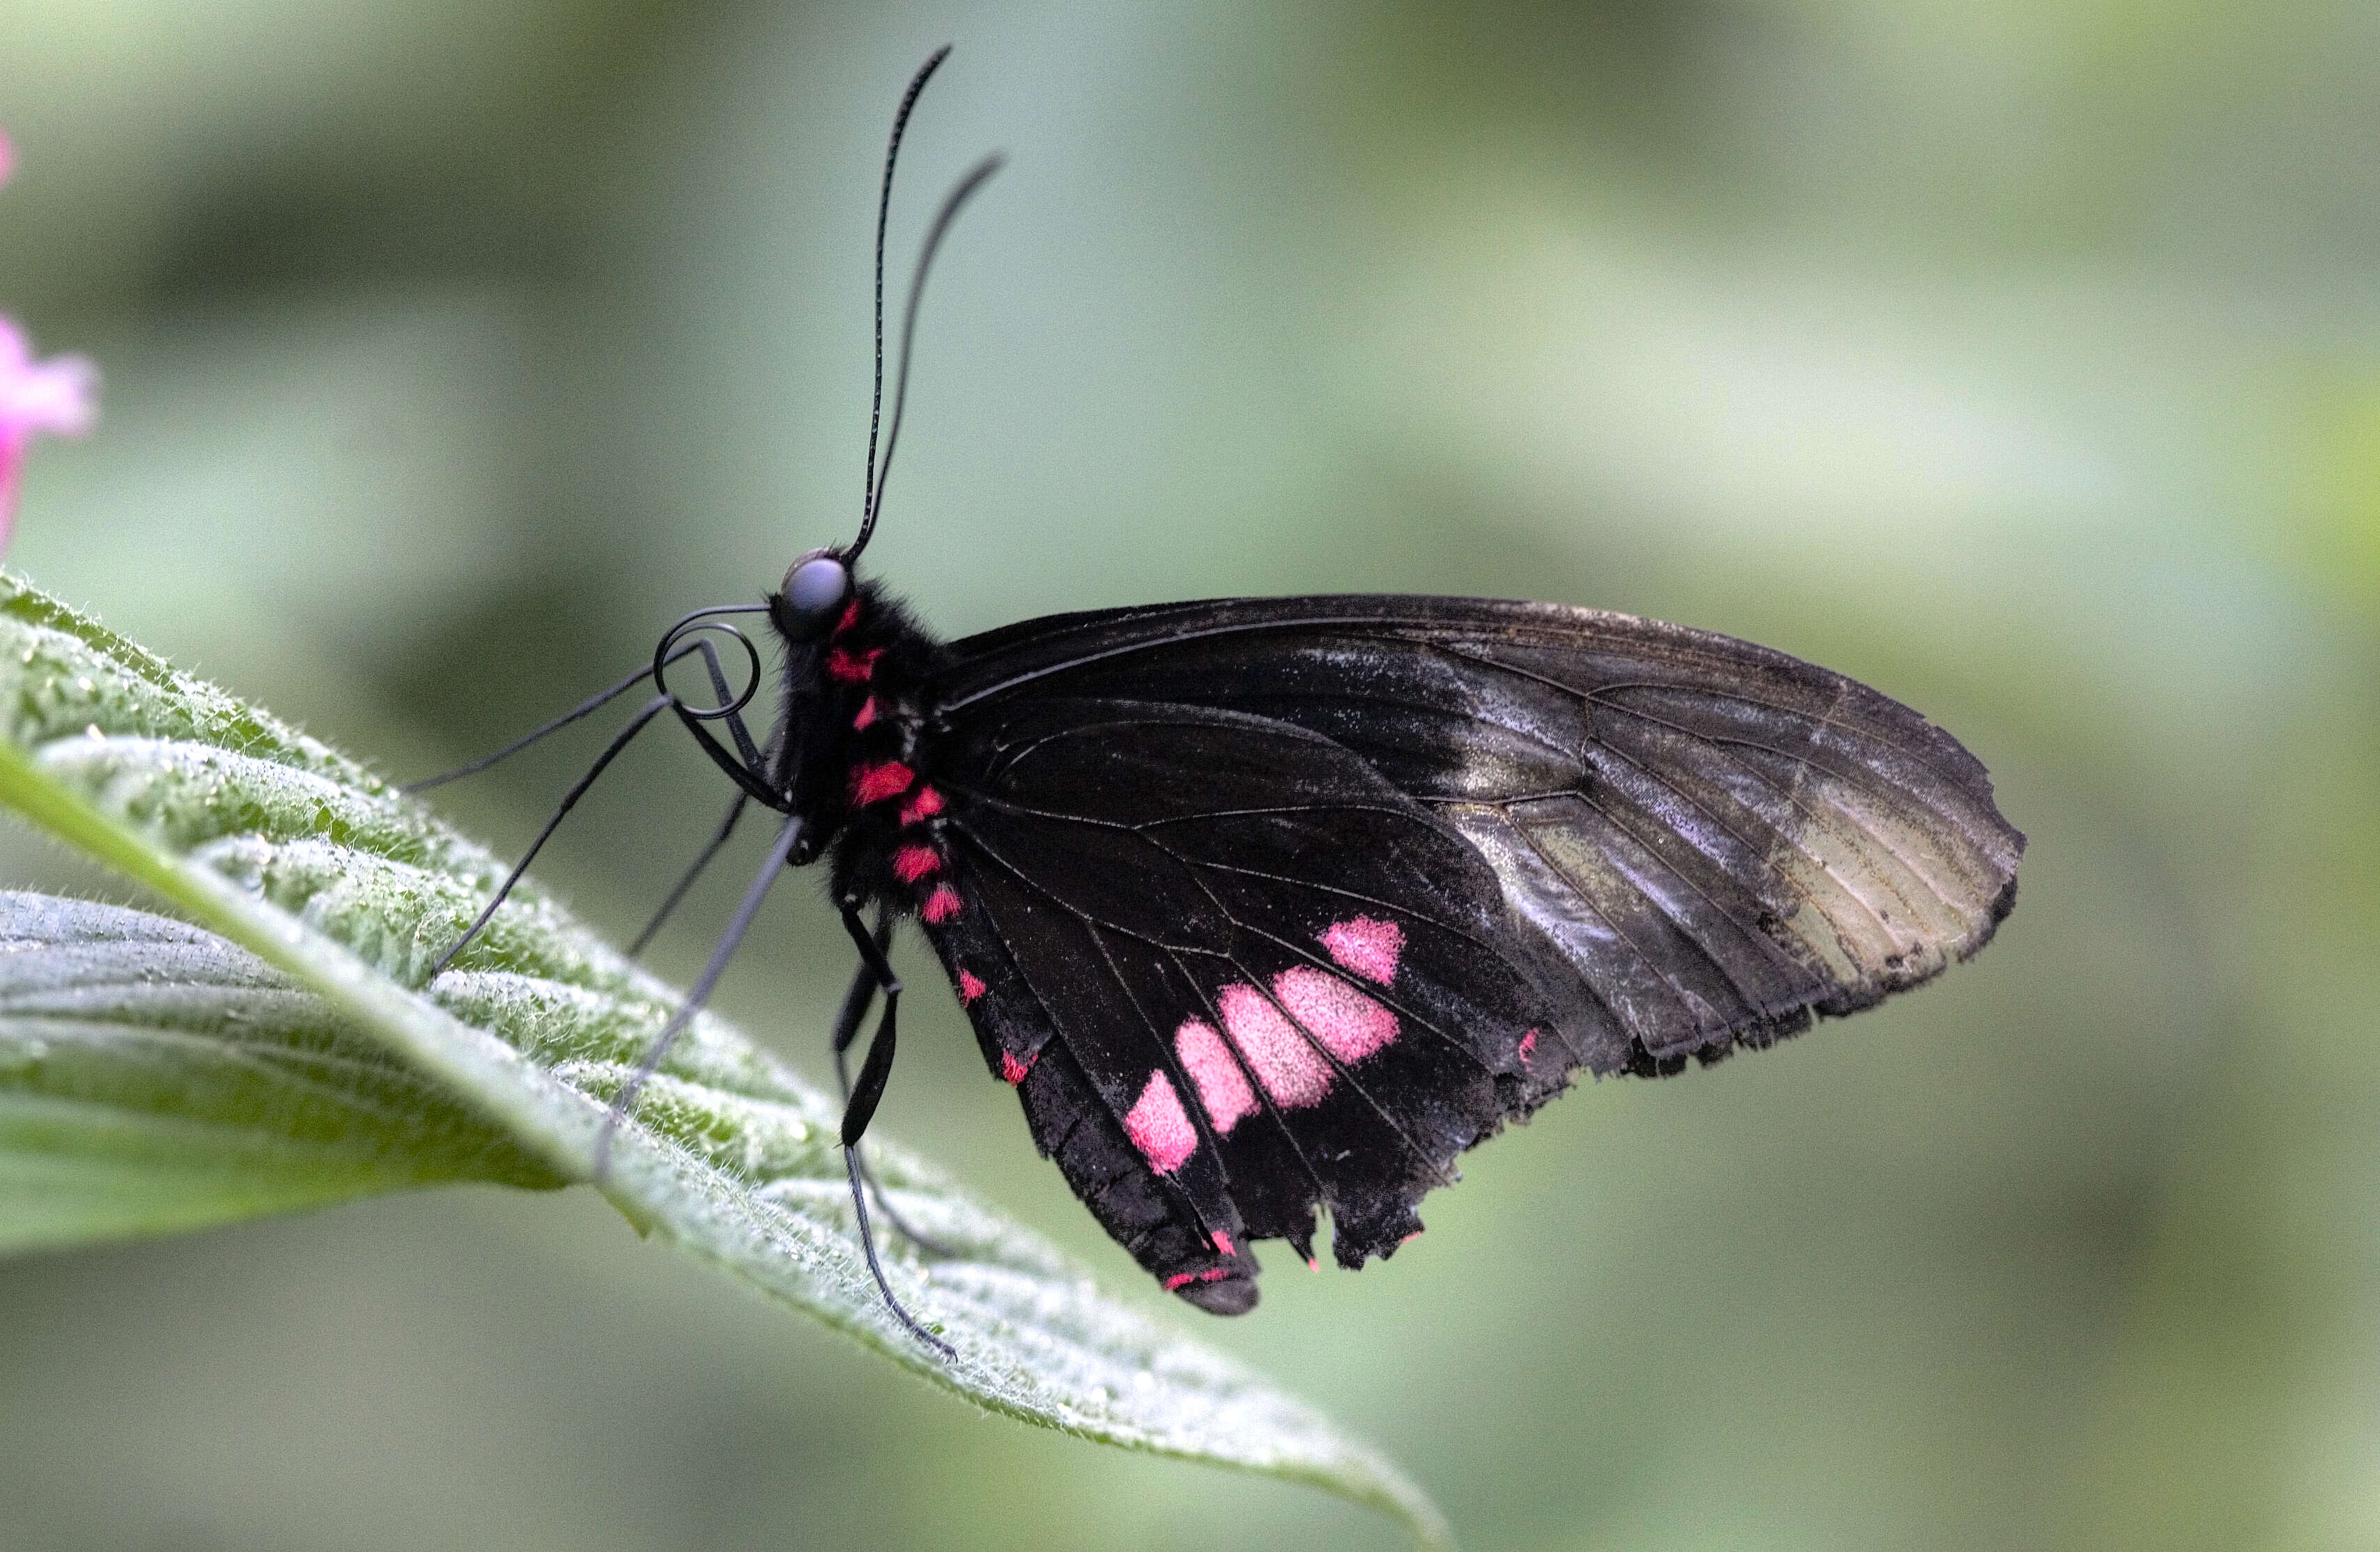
[[154, 1076]]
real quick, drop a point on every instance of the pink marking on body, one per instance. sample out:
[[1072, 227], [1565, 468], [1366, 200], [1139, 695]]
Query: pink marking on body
[[970, 987], [867, 714], [943, 905], [1367, 946], [1348, 1023], [913, 863], [1157, 1126], [1291, 1071], [850, 617], [1179, 1280], [1012, 1072], [852, 668], [925, 806], [874, 783], [1223, 1089], [1528, 1046], [1224, 1242], [1311, 1265], [1409, 1239], [1214, 1273]]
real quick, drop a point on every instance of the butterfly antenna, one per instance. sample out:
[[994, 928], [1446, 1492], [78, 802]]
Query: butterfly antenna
[[883, 212], [942, 219]]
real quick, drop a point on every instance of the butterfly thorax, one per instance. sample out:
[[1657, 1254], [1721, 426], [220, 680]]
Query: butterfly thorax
[[855, 748]]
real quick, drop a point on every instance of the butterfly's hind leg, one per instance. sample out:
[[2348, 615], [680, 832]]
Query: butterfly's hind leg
[[847, 1021], [861, 1098]]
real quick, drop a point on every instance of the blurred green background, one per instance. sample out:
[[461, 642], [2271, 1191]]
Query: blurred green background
[[2021, 358]]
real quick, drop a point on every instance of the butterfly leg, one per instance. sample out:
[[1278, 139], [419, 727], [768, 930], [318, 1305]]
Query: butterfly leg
[[740, 924], [868, 1243], [591, 705], [735, 726], [643, 720], [685, 881], [847, 1021], [860, 1099], [744, 765], [859, 1104]]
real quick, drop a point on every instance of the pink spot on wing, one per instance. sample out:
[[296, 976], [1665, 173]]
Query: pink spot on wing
[[1012, 1072], [1367, 946], [913, 863], [1179, 1280], [852, 668], [1157, 1126], [1224, 1242], [925, 806], [867, 713], [1311, 1265], [1350, 1023], [1223, 1088], [1528, 1046], [1291, 1071], [1409, 1239], [874, 783], [970, 987], [850, 617], [943, 905]]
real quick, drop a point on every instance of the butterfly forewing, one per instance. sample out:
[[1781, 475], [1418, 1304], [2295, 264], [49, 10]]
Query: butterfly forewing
[[1313, 894]]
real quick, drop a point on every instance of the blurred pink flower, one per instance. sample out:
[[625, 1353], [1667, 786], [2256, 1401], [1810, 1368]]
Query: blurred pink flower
[[58, 396]]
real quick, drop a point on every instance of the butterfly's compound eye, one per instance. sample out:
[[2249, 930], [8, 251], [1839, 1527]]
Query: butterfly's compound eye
[[815, 589]]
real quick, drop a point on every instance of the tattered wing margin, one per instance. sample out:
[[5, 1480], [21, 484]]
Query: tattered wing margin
[[306, 859]]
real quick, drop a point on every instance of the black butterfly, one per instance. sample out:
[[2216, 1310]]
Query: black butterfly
[[1263, 905]]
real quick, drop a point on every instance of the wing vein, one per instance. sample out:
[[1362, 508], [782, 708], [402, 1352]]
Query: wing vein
[[1820, 817], [1686, 930], [1256, 1085], [1602, 696], [1791, 797], [1182, 1086], [1685, 998], [1358, 896], [1376, 993], [1255, 979], [1719, 821]]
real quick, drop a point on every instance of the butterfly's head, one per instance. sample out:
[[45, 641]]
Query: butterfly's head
[[816, 588]]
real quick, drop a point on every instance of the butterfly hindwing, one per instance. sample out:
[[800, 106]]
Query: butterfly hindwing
[[1283, 982], [1358, 878]]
